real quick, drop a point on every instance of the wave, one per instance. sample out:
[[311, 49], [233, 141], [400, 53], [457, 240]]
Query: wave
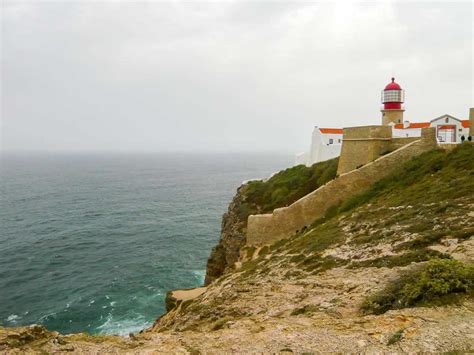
[[122, 326], [13, 318], [199, 275]]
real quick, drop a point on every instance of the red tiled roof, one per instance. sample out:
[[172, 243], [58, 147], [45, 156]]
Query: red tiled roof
[[331, 130], [414, 125], [465, 124], [447, 126]]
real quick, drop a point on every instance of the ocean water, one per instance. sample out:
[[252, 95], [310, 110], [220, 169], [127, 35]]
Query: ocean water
[[92, 242]]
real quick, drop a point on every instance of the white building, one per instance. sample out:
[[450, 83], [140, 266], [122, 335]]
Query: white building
[[449, 129], [326, 144]]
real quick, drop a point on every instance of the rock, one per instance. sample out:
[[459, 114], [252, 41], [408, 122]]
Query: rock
[[361, 343], [170, 301], [449, 242], [67, 348], [226, 253], [175, 297]]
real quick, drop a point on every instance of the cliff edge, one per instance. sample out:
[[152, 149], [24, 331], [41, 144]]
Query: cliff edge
[[262, 196], [389, 270]]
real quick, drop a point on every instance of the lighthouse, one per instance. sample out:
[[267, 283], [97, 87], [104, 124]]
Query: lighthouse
[[392, 98]]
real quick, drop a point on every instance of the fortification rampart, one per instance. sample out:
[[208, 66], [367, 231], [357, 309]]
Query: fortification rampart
[[285, 222], [399, 142], [362, 145]]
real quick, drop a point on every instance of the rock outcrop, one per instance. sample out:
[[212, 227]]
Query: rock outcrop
[[175, 297], [232, 239], [336, 286]]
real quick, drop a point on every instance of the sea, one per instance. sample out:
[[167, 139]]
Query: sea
[[92, 242]]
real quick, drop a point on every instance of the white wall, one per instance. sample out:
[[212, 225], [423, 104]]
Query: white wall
[[407, 132], [446, 120], [321, 150]]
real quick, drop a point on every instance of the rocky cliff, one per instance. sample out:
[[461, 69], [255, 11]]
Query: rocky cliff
[[389, 270], [232, 238], [262, 196]]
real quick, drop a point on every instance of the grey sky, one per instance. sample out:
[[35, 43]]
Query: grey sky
[[222, 76]]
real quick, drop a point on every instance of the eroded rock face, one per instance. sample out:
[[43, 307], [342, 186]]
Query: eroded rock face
[[175, 297], [23, 336], [226, 252]]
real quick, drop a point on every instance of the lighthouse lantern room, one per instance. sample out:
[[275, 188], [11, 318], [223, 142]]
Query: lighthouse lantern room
[[393, 97]]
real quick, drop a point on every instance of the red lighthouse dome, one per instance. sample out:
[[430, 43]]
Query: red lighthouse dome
[[393, 96], [392, 86]]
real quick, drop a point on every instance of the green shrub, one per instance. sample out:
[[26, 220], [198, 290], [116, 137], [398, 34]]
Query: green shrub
[[289, 185], [430, 177], [436, 282], [308, 309], [396, 337], [415, 256]]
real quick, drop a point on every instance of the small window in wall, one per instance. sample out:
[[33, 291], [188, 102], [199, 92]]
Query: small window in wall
[[331, 141], [338, 141], [447, 119]]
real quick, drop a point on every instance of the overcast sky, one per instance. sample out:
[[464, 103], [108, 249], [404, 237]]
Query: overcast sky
[[223, 76]]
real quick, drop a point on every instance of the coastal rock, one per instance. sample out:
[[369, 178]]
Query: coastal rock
[[226, 253], [17, 337], [175, 297]]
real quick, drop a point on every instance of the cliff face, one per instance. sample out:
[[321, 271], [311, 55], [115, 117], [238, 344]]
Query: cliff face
[[354, 281], [257, 197], [226, 252], [392, 270]]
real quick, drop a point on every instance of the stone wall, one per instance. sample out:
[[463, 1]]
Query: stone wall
[[362, 145], [399, 142], [285, 222]]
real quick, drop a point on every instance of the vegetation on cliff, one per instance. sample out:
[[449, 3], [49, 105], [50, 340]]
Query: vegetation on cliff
[[261, 196], [285, 187], [433, 283], [420, 213], [353, 281], [405, 242]]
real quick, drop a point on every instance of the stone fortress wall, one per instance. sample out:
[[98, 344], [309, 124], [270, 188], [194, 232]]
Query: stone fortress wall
[[361, 145], [367, 160]]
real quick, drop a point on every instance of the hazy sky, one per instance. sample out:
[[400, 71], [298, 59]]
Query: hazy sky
[[223, 76]]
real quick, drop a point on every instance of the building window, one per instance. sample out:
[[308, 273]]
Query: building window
[[331, 141], [447, 119], [338, 141]]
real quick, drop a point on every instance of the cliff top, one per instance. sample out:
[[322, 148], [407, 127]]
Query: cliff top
[[388, 270]]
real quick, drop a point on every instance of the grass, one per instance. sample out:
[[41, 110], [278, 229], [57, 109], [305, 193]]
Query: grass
[[395, 337], [414, 256], [308, 309], [421, 176], [429, 238], [317, 239], [316, 264], [220, 323], [433, 176], [285, 187], [439, 281]]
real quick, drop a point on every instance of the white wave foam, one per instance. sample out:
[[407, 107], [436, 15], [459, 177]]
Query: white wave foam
[[13, 318], [200, 275], [122, 326], [47, 316]]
